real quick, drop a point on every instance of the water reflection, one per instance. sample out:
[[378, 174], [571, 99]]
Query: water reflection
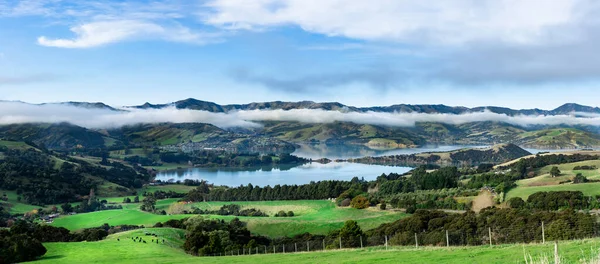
[[282, 175]]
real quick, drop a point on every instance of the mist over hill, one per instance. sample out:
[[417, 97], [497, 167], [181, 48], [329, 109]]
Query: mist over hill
[[274, 125]]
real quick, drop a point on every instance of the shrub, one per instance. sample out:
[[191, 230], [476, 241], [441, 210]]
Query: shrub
[[359, 202], [345, 202], [411, 210], [382, 206]]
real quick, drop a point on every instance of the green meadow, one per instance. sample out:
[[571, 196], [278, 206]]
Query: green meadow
[[318, 217], [119, 248]]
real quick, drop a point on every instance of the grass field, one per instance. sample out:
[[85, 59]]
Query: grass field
[[111, 250], [545, 182], [318, 217], [15, 206]]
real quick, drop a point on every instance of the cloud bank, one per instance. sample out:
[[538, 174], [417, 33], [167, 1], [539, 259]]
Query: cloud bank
[[19, 113]]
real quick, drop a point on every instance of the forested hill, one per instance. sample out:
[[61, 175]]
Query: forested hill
[[471, 156]]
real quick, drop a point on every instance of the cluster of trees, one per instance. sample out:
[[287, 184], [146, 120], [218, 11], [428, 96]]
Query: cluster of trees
[[211, 158], [231, 209], [558, 200], [210, 236], [159, 194], [446, 177], [432, 199], [585, 167], [39, 180], [501, 182], [284, 214], [311, 191], [506, 226]]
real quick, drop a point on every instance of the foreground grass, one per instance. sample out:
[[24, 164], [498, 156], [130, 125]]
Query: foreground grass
[[317, 217], [111, 250]]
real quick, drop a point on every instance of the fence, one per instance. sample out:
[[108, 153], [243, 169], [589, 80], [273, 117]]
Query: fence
[[443, 238]]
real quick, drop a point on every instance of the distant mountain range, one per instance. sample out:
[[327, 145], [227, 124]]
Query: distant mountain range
[[280, 136], [195, 104]]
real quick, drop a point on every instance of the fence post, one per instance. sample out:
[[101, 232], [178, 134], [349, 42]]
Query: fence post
[[296, 247], [274, 250], [361, 245], [265, 249], [323, 244], [257, 250], [556, 257], [416, 241], [386, 243], [244, 251], [543, 234], [283, 248], [340, 242], [447, 240], [490, 234], [308, 245]]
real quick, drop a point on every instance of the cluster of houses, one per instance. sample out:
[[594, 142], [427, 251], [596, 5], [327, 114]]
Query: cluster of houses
[[48, 219]]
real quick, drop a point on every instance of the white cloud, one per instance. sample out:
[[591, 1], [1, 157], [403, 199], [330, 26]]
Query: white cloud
[[101, 33], [18, 113], [453, 21]]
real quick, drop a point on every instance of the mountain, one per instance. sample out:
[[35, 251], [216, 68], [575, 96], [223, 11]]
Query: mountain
[[195, 104]]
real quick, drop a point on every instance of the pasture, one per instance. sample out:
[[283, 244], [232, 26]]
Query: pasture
[[112, 250], [545, 182], [318, 217]]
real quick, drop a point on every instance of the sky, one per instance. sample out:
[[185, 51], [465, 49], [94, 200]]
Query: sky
[[513, 53]]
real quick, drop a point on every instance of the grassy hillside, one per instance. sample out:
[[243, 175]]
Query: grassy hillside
[[559, 138], [55, 136], [343, 132], [167, 134], [545, 182], [318, 217], [112, 250]]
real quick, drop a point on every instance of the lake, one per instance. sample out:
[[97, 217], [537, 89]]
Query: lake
[[308, 172], [289, 175]]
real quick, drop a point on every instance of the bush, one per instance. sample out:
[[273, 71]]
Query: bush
[[516, 202], [345, 202], [579, 178], [359, 202], [383, 205], [411, 210]]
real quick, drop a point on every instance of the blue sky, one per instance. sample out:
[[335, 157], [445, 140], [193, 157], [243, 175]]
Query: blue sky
[[521, 54]]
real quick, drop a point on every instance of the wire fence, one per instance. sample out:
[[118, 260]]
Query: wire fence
[[489, 236]]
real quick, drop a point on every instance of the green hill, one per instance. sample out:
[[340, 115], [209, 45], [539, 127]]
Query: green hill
[[54, 136], [343, 133], [559, 138]]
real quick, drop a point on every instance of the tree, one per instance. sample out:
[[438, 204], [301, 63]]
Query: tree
[[126, 200], [579, 178], [290, 213], [350, 234], [516, 202], [66, 208], [359, 202], [555, 172], [383, 205], [136, 199], [148, 204]]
